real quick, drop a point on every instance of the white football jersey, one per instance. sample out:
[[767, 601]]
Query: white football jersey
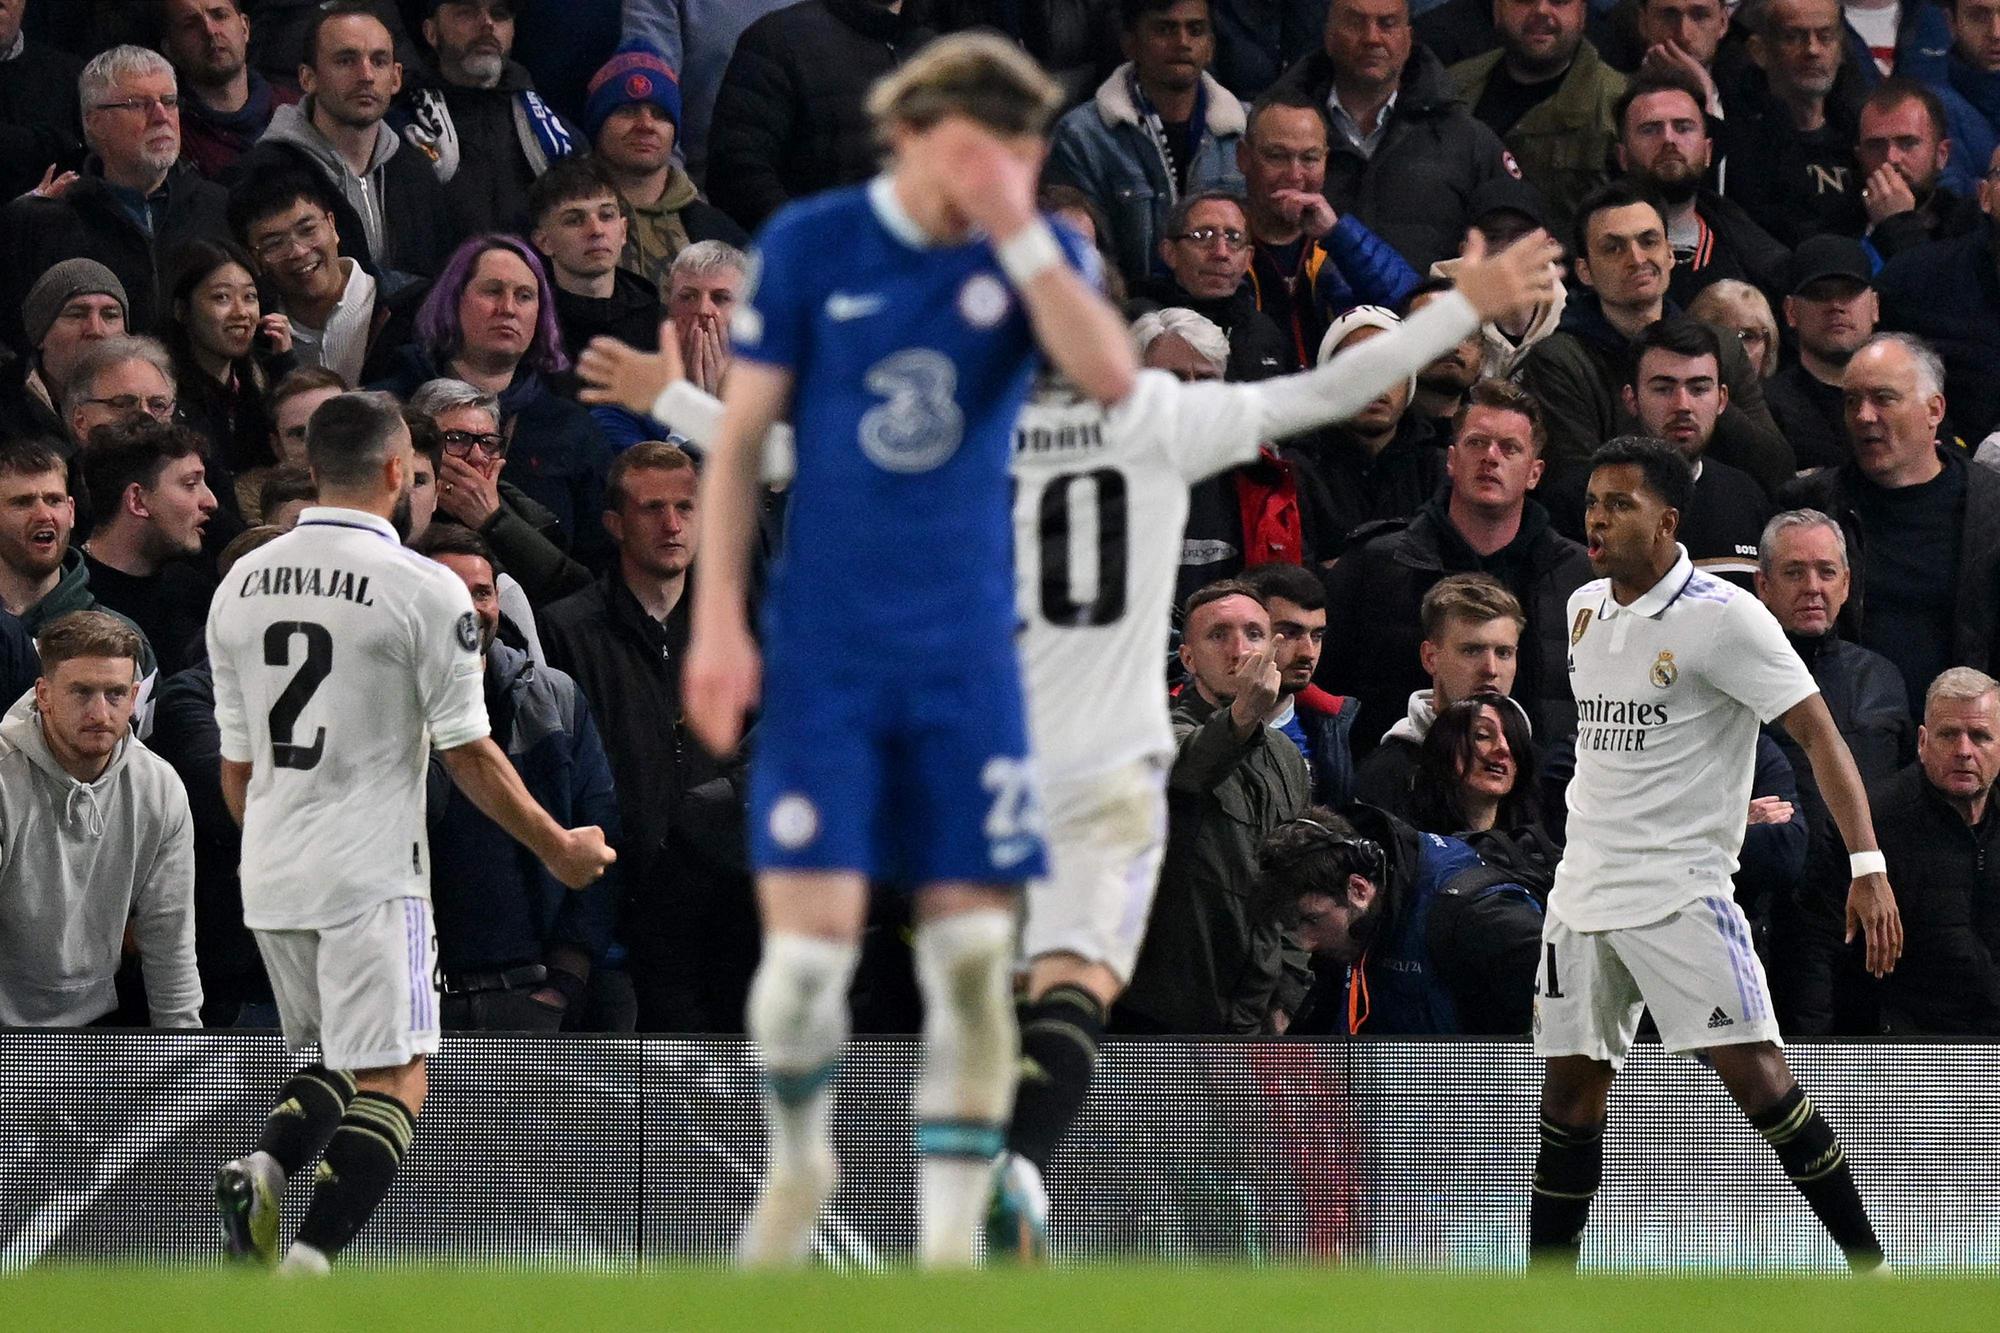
[[340, 659], [1669, 695]]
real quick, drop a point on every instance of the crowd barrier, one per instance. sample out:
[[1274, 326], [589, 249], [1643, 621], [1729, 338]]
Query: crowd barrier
[[612, 1152]]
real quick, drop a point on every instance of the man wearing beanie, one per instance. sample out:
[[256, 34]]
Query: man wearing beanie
[[74, 304], [632, 115]]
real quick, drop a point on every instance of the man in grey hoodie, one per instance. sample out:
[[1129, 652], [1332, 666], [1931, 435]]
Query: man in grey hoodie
[[97, 836]]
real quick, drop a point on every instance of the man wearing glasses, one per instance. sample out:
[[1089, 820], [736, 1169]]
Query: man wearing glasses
[[134, 202], [1206, 249]]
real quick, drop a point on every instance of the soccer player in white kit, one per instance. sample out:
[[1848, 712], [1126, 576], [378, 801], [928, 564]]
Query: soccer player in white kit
[[341, 659], [1673, 671]]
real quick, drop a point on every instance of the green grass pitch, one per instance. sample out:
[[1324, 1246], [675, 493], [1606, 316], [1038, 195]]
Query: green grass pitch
[[1083, 1300]]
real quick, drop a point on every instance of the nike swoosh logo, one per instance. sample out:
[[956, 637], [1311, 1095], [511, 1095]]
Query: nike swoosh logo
[[1007, 855], [841, 307]]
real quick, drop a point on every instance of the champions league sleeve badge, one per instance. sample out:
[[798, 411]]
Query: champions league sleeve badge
[[468, 633]]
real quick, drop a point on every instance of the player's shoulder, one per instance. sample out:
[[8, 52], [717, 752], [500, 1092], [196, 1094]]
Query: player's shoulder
[[814, 215], [1589, 596], [1706, 594]]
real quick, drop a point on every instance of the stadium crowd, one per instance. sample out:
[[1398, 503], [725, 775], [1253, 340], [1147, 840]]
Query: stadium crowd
[[1783, 222]]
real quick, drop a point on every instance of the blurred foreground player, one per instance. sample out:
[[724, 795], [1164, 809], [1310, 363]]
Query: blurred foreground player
[[1673, 671], [341, 659]]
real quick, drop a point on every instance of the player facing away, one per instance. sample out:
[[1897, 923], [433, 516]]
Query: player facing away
[[1101, 496], [1673, 671], [897, 323], [340, 660]]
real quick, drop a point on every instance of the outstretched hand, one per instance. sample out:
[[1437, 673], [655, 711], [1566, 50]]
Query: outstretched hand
[[1512, 283], [626, 377], [1871, 912]]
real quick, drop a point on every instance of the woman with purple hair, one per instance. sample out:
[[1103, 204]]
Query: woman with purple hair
[[490, 320]]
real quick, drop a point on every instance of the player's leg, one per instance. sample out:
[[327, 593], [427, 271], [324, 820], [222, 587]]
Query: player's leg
[[798, 1016], [1587, 1009], [363, 1155]]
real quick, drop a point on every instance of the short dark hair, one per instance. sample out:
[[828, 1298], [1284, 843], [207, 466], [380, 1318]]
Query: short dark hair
[[1621, 193], [328, 11], [1899, 88], [87, 634], [30, 457], [1131, 11], [1177, 217], [1428, 287], [282, 487], [1436, 790], [1215, 592], [130, 453], [264, 194], [1312, 855], [1665, 81], [645, 456], [347, 436], [1681, 335], [1295, 583], [1291, 99], [1667, 472], [1505, 396], [568, 180], [455, 539]]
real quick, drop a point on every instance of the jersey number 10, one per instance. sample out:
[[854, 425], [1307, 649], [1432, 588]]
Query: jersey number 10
[[313, 670], [1059, 606]]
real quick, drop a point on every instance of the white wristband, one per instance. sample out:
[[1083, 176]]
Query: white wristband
[[1027, 252], [1867, 863]]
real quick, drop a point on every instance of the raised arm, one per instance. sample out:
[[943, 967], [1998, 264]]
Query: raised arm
[[577, 857], [1871, 904]]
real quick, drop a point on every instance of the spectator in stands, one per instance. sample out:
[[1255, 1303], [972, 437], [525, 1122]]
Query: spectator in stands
[[41, 133], [1407, 154], [1308, 264], [687, 919], [1681, 39], [1413, 935], [1212, 962], [286, 493], [99, 845], [1903, 151], [1676, 394], [1967, 79], [117, 380], [284, 29], [1664, 145], [1550, 98], [1476, 769], [227, 353], [1320, 724], [580, 229], [1831, 311], [292, 402], [1472, 628], [75, 304], [1736, 309], [151, 503], [490, 320], [1922, 524], [1937, 826], [1947, 293], [1444, 383], [483, 111], [1485, 524], [1206, 249], [1158, 128], [1504, 210], [703, 288], [694, 39], [225, 105], [235, 991], [524, 534], [633, 118], [1790, 145], [1623, 258], [134, 202], [351, 76], [516, 948], [342, 317], [790, 118]]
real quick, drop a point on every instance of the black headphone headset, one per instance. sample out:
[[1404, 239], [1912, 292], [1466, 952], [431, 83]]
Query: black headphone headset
[[1362, 856]]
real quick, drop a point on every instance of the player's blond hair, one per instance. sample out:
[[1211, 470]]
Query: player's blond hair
[[978, 75]]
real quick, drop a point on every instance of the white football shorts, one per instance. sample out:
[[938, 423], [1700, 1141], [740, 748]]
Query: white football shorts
[[365, 990], [1106, 836]]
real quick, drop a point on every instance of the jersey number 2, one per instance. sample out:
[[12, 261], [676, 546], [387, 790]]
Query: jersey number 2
[[285, 712], [1052, 519]]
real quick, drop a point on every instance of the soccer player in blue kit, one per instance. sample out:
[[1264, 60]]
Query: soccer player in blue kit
[[896, 324]]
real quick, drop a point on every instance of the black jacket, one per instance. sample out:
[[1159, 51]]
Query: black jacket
[[88, 222], [24, 414], [631, 314], [1375, 592], [1415, 190], [1948, 293], [489, 191], [1732, 246], [1810, 415], [41, 122], [789, 117], [1257, 348], [1341, 487]]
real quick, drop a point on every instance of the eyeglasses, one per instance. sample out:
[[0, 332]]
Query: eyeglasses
[[305, 235], [143, 105], [1229, 236], [461, 443], [129, 404]]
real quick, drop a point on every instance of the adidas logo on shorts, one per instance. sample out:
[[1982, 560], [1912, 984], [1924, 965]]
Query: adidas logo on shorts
[[1718, 1019]]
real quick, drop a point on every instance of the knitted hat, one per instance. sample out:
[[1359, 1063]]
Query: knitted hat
[[637, 72], [62, 284], [1361, 317]]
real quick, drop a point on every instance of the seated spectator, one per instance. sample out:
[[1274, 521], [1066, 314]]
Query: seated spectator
[[515, 947], [1414, 935], [1831, 311], [579, 228], [135, 201], [1677, 395], [1664, 145], [225, 104], [1476, 769], [1158, 128], [1211, 962], [633, 119], [1945, 292], [284, 28], [1922, 524], [470, 493], [1738, 310], [1905, 156], [1549, 97], [75, 304], [1318, 723], [517, 613], [74, 885], [1790, 143], [703, 289], [342, 318], [1308, 264], [1966, 79], [227, 352], [790, 117], [687, 918], [291, 404], [151, 500], [1206, 250], [490, 321], [1687, 39], [1484, 524], [1444, 383], [287, 492], [41, 133], [1503, 211]]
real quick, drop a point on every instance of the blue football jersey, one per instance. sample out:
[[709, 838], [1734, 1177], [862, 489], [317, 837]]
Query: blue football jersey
[[909, 363]]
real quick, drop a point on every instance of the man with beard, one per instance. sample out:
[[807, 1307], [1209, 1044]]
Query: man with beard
[[1409, 931], [226, 105], [1443, 384], [1664, 145], [1903, 151], [1832, 311], [1791, 150]]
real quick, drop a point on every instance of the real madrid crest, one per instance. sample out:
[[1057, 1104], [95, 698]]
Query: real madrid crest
[[1582, 624], [1664, 672]]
